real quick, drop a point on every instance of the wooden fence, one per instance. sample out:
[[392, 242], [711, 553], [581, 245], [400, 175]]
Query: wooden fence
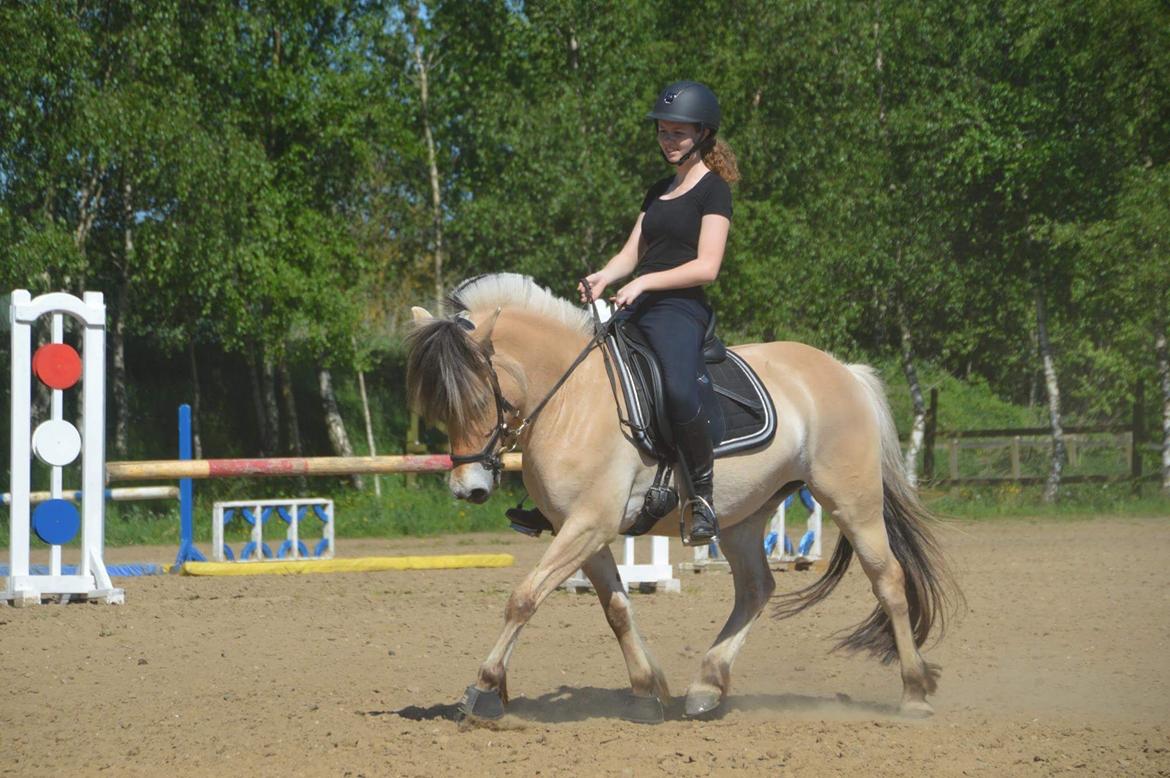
[[1129, 437]]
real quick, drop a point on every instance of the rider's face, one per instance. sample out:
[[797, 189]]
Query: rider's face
[[677, 138]]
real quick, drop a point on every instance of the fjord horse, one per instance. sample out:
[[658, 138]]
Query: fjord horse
[[497, 357]]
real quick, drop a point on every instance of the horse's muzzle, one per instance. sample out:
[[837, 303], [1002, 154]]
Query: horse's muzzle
[[472, 483]]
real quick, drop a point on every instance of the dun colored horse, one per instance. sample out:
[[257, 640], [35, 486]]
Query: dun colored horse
[[498, 357]]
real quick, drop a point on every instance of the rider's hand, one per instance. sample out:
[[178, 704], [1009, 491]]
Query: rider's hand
[[629, 293], [597, 283]]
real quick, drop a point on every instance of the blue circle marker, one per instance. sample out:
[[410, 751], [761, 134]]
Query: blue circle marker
[[56, 522]]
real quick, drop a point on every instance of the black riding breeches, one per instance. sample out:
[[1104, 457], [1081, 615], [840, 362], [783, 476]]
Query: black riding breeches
[[675, 327]]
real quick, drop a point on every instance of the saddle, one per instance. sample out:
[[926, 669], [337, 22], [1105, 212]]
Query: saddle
[[741, 412]]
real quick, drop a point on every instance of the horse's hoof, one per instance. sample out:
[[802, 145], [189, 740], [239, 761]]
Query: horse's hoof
[[703, 703], [916, 709], [643, 710], [481, 704]]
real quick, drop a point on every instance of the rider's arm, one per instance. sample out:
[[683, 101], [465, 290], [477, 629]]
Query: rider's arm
[[624, 262]]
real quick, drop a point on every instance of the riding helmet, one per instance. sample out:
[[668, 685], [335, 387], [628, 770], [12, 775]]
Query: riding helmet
[[687, 101]]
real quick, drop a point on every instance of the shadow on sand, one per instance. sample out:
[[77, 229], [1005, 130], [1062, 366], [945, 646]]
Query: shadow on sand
[[584, 703]]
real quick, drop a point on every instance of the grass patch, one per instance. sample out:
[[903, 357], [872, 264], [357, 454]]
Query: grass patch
[[427, 509], [1077, 501]]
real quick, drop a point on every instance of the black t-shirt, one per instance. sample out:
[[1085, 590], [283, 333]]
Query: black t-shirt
[[671, 227]]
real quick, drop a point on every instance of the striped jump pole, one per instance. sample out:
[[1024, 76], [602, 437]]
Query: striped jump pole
[[185, 470], [172, 469]]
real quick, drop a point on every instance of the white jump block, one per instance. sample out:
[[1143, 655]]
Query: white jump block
[[657, 575]]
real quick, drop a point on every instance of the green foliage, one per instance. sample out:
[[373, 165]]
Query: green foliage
[[962, 404], [428, 509], [251, 185]]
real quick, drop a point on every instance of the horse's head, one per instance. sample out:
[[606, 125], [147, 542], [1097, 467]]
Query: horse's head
[[455, 374], [450, 379]]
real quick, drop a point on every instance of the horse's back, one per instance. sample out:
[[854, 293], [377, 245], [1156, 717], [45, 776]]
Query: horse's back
[[811, 387], [788, 361]]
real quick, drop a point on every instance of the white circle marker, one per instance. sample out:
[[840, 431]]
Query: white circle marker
[[56, 443]]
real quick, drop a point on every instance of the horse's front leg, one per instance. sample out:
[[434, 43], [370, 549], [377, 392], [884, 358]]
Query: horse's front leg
[[743, 546], [579, 539], [647, 681]]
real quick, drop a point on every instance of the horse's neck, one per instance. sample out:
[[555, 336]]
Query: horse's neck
[[540, 349]]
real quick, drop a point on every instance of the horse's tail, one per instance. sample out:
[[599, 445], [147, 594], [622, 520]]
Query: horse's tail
[[929, 584]]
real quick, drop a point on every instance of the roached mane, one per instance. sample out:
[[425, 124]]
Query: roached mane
[[447, 368]]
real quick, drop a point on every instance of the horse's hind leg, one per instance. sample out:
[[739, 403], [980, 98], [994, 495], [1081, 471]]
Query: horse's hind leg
[[646, 678], [743, 546], [861, 519], [579, 539]]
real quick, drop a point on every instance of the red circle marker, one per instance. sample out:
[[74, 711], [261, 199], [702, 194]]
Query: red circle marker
[[57, 365]]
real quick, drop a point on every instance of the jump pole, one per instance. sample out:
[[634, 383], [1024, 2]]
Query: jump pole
[[172, 469], [186, 469], [127, 494]]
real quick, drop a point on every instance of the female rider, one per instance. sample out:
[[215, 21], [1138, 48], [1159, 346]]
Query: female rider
[[674, 250]]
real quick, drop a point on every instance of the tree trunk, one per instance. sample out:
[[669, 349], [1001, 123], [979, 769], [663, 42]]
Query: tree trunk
[[257, 399], [121, 410], [422, 65], [290, 410], [118, 359], [196, 402], [1163, 352], [334, 424], [369, 427], [918, 427], [1052, 487], [292, 421], [271, 409], [1033, 378], [88, 202]]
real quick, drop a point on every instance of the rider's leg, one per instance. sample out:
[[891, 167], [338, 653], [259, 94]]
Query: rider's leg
[[693, 442], [675, 329]]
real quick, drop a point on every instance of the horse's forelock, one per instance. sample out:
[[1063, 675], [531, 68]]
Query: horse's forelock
[[446, 374]]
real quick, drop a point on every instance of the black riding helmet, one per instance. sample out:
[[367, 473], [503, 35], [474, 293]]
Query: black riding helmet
[[688, 101]]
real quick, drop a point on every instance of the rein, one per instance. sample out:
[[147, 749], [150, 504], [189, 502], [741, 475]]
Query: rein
[[505, 438]]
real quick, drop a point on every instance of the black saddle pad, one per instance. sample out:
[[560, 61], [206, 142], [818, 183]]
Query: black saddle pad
[[742, 413]]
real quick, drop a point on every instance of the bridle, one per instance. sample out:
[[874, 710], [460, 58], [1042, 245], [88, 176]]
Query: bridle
[[504, 437]]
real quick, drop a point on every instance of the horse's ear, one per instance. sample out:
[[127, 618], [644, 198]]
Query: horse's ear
[[420, 314], [483, 333]]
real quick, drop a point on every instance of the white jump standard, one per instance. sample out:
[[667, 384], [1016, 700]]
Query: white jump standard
[[57, 443]]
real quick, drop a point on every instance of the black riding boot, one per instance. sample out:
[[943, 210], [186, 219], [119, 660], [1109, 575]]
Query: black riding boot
[[529, 521], [696, 452]]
